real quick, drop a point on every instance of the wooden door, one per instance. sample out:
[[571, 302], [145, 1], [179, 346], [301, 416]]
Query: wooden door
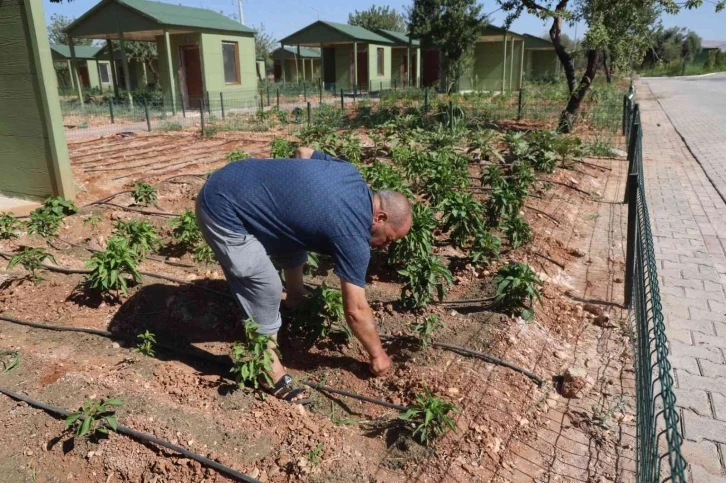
[[278, 70], [329, 67], [431, 69], [192, 68], [83, 74], [362, 80]]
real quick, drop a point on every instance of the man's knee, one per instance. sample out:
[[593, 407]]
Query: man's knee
[[304, 152]]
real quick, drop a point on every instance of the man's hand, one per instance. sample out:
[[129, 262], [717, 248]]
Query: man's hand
[[360, 320]]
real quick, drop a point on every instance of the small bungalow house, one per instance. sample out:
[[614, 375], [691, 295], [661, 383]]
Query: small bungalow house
[[497, 64], [94, 71], [405, 58], [540, 59], [143, 74], [301, 64], [352, 57], [33, 153], [202, 53]]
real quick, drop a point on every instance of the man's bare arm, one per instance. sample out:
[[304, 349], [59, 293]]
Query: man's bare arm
[[360, 319], [303, 152]]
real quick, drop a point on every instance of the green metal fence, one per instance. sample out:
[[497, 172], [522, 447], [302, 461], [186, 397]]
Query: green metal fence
[[658, 437]]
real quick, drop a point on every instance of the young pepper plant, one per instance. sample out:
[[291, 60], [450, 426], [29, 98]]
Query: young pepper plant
[[425, 277], [431, 415], [322, 311], [141, 236], [425, 329], [8, 226], [31, 259], [110, 268], [517, 287], [144, 194], [94, 417], [251, 359]]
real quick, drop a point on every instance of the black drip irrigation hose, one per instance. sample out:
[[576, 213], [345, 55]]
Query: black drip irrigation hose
[[147, 438], [137, 210], [552, 218], [353, 395], [471, 353]]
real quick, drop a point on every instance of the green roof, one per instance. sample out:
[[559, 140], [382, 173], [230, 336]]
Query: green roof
[[82, 51], [399, 38], [172, 15], [314, 31], [532, 42], [304, 51]]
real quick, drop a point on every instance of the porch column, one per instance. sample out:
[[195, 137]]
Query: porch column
[[504, 64], [511, 65], [521, 67], [170, 72], [322, 71], [408, 65], [74, 70], [70, 74], [283, 61], [303, 63], [125, 66], [114, 74], [100, 79], [355, 65]]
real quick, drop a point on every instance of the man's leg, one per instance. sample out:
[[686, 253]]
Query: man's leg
[[292, 265]]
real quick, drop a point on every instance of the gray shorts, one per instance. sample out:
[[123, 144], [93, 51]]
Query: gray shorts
[[250, 273]]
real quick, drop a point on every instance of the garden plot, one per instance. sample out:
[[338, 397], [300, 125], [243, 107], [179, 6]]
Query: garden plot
[[490, 207]]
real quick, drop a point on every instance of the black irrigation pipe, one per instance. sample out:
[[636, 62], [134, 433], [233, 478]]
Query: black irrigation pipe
[[541, 180], [464, 301], [107, 198], [137, 210], [143, 437], [555, 262], [353, 395], [552, 218]]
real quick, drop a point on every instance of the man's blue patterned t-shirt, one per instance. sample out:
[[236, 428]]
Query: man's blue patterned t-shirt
[[290, 205]]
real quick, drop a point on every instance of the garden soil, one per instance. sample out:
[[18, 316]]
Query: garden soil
[[508, 427]]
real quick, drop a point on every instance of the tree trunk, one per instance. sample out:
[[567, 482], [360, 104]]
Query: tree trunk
[[608, 73], [568, 116], [568, 64]]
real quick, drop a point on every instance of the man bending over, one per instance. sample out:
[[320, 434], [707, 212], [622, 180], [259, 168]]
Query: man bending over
[[253, 210]]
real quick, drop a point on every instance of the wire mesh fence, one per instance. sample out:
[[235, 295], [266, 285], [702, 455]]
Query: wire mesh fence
[[286, 108], [658, 438]]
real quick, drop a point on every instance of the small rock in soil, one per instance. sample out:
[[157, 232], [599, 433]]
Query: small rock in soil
[[618, 280], [593, 309], [115, 345], [576, 383], [576, 252], [561, 355]]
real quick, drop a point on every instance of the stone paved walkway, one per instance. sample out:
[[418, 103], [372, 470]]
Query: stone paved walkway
[[689, 227]]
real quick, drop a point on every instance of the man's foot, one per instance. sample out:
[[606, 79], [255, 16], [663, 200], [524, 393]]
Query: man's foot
[[285, 390]]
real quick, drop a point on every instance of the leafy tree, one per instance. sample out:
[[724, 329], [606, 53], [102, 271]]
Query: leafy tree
[[56, 34], [452, 26], [265, 43], [618, 27], [378, 18]]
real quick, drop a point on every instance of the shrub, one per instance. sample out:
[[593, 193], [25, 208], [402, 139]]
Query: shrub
[[425, 276], [185, 230], [8, 226], [425, 329], [431, 414], [60, 206], [31, 259], [238, 154], [252, 359], [282, 148], [144, 194], [544, 150], [517, 286], [140, 236], [94, 418], [110, 268]]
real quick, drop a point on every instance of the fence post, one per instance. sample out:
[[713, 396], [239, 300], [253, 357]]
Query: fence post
[[632, 147], [625, 111], [110, 108], [305, 92], [320, 89], [201, 115], [355, 88], [426, 99], [221, 104], [278, 98], [146, 113], [451, 114], [632, 196], [308, 113], [268, 95], [380, 88], [519, 104], [209, 105], [342, 102]]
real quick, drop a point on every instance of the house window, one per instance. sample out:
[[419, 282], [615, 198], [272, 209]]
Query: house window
[[230, 57], [379, 58], [103, 68]]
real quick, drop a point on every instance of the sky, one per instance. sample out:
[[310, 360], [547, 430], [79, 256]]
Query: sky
[[283, 17]]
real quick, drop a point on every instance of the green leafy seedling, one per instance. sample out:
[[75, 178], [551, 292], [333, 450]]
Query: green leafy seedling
[[252, 359], [93, 221], [314, 454], [44, 222], [60, 206], [141, 236], [517, 287], [462, 216], [9, 360], [431, 415], [312, 263], [425, 276], [185, 230], [485, 247], [31, 259], [203, 253], [282, 148], [144, 194], [94, 418], [8, 226], [419, 240], [516, 229], [425, 330], [111, 269], [146, 344], [238, 154], [322, 311]]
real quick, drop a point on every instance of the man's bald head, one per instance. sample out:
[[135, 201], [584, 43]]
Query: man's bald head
[[392, 217]]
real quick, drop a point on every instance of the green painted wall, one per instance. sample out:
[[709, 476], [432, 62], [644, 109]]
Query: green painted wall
[[93, 80], [342, 66], [540, 64], [33, 155], [373, 77], [213, 67], [175, 42], [486, 74], [396, 54]]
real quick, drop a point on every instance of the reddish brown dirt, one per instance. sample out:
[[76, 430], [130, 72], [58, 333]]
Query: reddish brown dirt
[[508, 428]]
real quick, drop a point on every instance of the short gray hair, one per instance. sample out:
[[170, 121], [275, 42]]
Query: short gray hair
[[396, 206]]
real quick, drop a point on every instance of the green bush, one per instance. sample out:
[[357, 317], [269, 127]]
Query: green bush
[[110, 268], [517, 287]]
